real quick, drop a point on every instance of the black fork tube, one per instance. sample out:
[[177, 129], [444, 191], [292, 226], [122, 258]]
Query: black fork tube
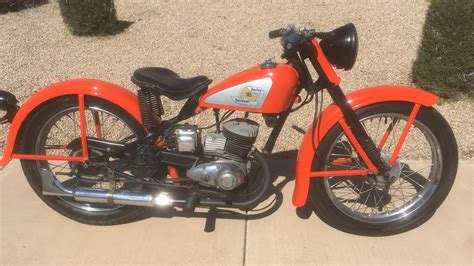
[[359, 132], [350, 116], [270, 144]]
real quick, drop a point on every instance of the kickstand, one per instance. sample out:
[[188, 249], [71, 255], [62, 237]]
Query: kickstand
[[211, 220]]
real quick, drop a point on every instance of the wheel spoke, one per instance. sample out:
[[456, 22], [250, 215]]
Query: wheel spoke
[[55, 147], [60, 129], [364, 197]]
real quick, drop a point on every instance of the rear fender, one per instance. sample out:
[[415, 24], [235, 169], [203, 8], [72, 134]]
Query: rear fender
[[332, 114], [88, 87]]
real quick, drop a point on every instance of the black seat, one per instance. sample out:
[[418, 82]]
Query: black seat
[[168, 83]]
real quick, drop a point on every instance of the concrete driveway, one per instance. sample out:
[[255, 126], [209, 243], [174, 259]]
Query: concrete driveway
[[33, 233]]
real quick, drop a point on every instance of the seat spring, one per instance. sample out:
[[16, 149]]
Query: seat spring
[[156, 104], [150, 105]]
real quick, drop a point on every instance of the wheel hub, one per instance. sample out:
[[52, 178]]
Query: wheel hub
[[380, 181], [88, 170]]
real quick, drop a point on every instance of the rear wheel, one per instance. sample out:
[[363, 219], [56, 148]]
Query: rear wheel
[[52, 128], [422, 175]]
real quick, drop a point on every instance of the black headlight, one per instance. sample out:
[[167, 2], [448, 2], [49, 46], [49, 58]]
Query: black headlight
[[341, 47]]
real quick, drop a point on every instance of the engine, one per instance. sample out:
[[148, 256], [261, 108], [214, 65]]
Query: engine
[[236, 139], [230, 148], [221, 174]]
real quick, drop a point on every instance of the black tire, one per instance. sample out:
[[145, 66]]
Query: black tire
[[326, 209], [29, 136]]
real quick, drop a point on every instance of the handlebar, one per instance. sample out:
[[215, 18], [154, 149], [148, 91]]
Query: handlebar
[[307, 34], [292, 37], [276, 33]]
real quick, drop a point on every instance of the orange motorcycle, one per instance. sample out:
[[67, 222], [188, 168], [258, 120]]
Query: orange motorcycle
[[377, 161]]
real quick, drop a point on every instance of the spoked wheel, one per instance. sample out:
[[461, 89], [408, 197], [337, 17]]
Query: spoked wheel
[[53, 130], [421, 177]]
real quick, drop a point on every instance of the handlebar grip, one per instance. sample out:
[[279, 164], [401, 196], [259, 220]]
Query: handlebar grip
[[276, 33]]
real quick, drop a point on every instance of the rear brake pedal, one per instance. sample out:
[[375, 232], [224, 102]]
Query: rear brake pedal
[[192, 201]]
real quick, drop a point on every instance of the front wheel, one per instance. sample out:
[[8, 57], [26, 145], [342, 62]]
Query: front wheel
[[421, 179]]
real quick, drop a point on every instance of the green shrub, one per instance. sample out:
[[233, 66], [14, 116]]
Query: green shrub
[[445, 62], [18, 5], [90, 17]]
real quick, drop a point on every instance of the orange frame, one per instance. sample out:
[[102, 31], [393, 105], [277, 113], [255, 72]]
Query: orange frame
[[372, 169], [85, 87], [128, 101], [333, 115], [347, 131], [285, 80], [83, 129]]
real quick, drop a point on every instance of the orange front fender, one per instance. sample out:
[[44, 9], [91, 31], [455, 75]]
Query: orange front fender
[[333, 114], [104, 90]]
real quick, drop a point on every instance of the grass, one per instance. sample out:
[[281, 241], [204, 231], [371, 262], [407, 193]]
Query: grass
[[445, 61], [91, 17]]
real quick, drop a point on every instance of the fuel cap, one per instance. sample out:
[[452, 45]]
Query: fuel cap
[[268, 63]]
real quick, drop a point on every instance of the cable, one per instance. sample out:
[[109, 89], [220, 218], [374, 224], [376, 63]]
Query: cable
[[317, 112], [315, 119], [307, 99], [224, 117]]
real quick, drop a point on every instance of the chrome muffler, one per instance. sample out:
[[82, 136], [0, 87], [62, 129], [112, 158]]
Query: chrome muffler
[[120, 198], [51, 186]]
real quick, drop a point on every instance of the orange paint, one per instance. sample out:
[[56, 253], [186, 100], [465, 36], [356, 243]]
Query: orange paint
[[173, 172], [330, 117], [48, 157], [88, 87], [384, 139], [357, 145], [280, 97], [83, 126], [404, 135], [342, 160], [340, 173], [328, 69]]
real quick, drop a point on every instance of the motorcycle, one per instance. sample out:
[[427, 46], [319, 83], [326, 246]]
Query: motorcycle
[[378, 161]]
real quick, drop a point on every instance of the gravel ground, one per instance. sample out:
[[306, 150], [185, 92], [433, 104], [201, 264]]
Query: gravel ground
[[216, 39]]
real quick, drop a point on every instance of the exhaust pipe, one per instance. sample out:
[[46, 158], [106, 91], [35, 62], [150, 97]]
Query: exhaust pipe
[[53, 187], [110, 197]]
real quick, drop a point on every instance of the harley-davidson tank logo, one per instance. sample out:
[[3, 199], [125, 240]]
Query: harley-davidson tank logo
[[251, 94], [248, 96]]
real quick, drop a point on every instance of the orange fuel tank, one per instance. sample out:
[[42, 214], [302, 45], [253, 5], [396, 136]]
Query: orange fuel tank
[[257, 90]]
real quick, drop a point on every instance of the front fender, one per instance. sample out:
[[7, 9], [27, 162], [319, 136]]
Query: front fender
[[333, 114], [104, 90]]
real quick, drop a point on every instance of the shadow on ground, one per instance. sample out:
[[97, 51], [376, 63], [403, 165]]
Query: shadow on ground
[[122, 25], [19, 5]]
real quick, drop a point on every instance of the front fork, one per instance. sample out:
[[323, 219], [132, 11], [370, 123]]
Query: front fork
[[351, 123]]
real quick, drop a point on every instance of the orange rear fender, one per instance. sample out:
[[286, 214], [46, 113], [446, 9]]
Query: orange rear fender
[[100, 89], [333, 114]]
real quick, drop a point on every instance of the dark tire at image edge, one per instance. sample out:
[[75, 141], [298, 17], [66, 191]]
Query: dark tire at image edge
[[29, 136], [319, 199]]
